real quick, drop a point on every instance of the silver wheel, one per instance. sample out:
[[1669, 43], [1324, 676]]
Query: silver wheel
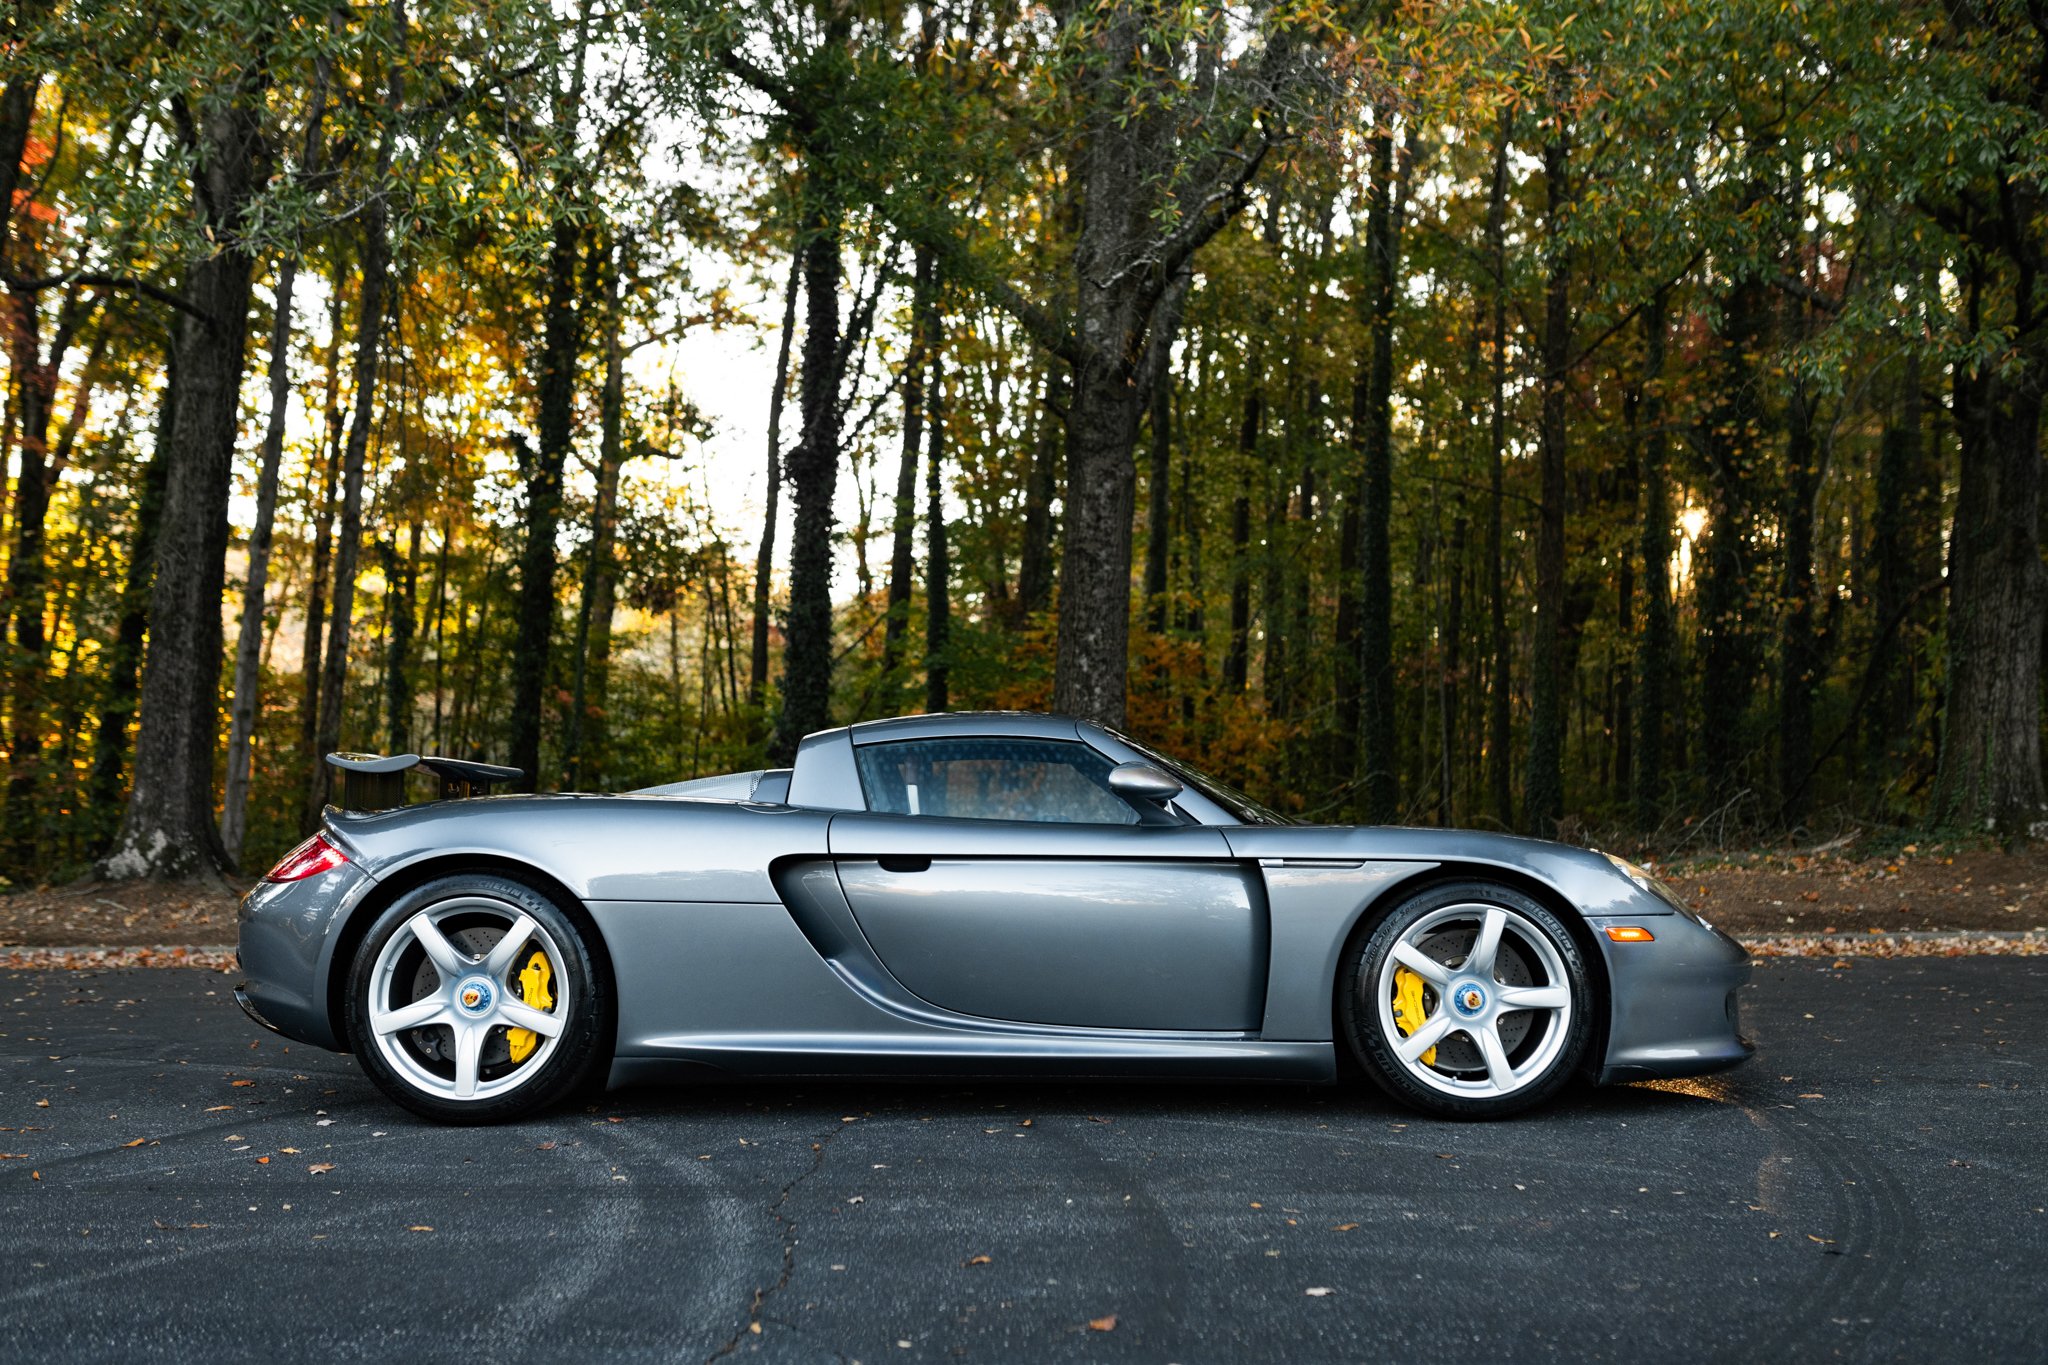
[[1474, 1000], [467, 1000]]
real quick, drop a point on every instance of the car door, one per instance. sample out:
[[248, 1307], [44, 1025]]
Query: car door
[[1001, 877]]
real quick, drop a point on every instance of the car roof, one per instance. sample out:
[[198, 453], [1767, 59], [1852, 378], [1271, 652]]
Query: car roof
[[1022, 724]]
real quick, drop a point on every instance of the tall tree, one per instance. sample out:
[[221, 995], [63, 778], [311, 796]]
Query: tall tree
[[169, 827]]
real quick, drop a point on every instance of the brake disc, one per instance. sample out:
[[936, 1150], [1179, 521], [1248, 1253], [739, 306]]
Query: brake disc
[[1457, 1051], [435, 1040]]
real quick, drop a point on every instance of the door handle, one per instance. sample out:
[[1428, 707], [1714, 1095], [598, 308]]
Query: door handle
[[904, 863]]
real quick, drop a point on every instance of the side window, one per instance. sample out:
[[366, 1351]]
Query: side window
[[1050, 781]]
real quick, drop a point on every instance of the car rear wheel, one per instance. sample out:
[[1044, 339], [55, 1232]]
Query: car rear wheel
[[474, 999], [1468, 1000]]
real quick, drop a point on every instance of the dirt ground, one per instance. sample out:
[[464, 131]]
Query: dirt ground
[[1933, 887], [1917, 887]]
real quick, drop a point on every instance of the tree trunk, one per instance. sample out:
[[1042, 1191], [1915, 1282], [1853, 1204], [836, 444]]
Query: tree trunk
[[117, 709], [1499, 717], [764, 557], [556, 384], [938, 592], [376, 269], [1158, 531], [1095, 570], [35, 393], [1237, 655], [584, 731], [1735, 433], [401, 602], [1543, 786], [1799, 648], [326, 489], [255, 584], [1034, 558], [1376, 680], [1654, 651], [902, 549], [813, 477], [1990, 767], [169, 828]]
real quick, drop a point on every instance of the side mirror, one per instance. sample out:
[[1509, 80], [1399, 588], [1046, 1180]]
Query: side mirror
[[1143, 782]]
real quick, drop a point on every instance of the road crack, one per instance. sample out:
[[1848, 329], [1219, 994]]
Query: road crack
[[752, 1326]]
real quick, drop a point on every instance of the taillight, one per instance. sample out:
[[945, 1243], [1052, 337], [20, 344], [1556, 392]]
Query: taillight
[[309, 859]]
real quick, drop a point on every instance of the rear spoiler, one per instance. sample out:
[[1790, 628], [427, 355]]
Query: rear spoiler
[[374, 782]]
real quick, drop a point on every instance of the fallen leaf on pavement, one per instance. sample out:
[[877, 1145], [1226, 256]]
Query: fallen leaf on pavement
[[289, 1151], [137, 1143], [419, 1227], [320, 1168], [241, 1083], [220, 1108], [1344, 1227], [979, 1260], [1320, 1291], [262, 1161], [1107, 1324]]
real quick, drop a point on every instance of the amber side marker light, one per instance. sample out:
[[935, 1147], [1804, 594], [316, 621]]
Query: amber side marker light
[[1630, 933]]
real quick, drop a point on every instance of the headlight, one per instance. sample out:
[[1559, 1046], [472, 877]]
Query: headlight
[[1650, 883]]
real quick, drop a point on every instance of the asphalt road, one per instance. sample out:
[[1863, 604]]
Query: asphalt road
[[1871, 1187]]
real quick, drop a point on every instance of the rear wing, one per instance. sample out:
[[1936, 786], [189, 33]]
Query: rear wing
[[371, 782]]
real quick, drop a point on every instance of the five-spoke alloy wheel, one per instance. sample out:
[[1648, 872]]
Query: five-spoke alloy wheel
[[1468, 1000], [474, 999]]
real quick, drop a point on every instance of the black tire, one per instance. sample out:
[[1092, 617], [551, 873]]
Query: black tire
[[407, 1064], [1537, 1049]]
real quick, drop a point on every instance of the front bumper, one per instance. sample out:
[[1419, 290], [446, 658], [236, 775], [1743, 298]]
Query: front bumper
[[287, 945], [1673, 1007]]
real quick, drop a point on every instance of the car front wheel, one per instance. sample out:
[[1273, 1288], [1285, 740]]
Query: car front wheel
[[1468, 1000], [474, 999]]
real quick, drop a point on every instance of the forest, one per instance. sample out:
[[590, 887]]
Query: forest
[[1609, 420]]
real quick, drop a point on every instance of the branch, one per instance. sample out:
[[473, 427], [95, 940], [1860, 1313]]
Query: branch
[[128, 282]]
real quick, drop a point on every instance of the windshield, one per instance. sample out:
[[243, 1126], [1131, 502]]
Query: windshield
[[1246, 810]]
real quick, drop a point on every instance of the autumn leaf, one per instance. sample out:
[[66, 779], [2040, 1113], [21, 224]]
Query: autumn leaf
[[220, 1108], [419, 1227], [262, 1161], [1344, 1227], [137, 1143], [241, 1083], [320, 1168], [1107, 1324], [978, 1260], [289, 1151]]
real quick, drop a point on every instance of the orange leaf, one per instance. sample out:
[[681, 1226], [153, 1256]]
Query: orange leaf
[[262, 1161], [979, 1260], [239, 1083], [419, 1227], [1107, 1324], [137, 1143], [1344, 1227]]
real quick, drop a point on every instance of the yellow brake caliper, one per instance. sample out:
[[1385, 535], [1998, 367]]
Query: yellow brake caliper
[[534, 979], [1408, 1014]]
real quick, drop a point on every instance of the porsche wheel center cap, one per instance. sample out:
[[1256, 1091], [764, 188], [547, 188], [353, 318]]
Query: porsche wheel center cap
[[1468, 998], [474, 995]]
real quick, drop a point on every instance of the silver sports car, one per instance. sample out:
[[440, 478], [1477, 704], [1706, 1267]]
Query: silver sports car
[[969, 894]]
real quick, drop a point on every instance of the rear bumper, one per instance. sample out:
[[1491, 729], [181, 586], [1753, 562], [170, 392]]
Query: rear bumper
[[286, 944], [1673, 1004]]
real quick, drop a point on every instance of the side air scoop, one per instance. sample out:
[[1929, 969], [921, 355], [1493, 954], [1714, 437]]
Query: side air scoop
[[371, 782]]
